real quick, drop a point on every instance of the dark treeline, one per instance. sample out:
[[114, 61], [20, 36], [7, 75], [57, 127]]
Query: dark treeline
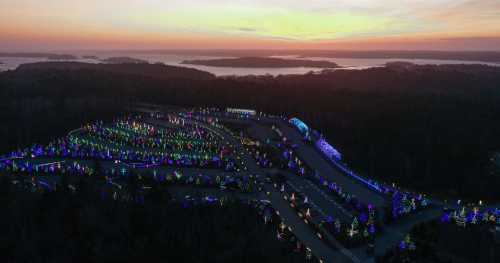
[[87, 226], [428, 127], [124, 65]]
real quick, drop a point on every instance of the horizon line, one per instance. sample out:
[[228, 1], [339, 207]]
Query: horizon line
[[245, 49]]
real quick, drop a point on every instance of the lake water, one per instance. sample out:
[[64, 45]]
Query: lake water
[[175, 60]]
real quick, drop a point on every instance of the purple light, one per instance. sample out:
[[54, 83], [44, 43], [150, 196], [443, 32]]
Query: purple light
[[327, 149], [371, 229], [363, 218], [402, 245], [446, 218]]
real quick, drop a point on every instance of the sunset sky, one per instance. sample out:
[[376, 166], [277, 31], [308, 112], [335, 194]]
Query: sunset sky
[[293, 24]]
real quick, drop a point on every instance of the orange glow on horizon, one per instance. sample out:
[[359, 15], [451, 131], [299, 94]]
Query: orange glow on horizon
[[237, 24]]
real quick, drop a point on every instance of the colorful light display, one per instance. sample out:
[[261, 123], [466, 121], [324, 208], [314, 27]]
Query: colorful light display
[[327, 149], [466, 216], [300, 125], [130, 142], [403, 202]]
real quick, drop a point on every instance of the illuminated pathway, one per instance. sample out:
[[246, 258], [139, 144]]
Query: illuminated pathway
[[290, 217], [299, 228], [316, 160], [319, 199], [306, 235], [325, 205]]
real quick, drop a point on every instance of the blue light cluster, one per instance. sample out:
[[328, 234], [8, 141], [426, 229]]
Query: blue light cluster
[[300, 125], [327, 149]]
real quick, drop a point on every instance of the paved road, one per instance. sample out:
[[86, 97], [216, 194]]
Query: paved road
[[390, 235], [305, 234], [315, 159], [320, 200], [299, 228], [303, 231]]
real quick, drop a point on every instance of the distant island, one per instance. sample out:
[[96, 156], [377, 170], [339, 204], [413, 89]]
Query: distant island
[[90, 57], [124, 60], [39, 55], [262, 62]]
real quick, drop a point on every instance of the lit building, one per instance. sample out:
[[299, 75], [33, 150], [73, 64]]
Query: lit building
[[241, 111]]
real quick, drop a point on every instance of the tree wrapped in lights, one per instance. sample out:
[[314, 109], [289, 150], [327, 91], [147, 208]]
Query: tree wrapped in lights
[[461, 219], [354, 228], [407, 243]]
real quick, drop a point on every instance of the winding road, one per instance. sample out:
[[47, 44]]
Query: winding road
[[322, 202]]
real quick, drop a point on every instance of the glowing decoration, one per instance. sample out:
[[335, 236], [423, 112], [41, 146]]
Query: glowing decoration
[[403, 202], [354, 228], [407, 243], [282, 226], [371, 229], [474, 219], [301, 126], [133, 143], [308, 254], [328, 150], [461, 219], [241, 111]]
